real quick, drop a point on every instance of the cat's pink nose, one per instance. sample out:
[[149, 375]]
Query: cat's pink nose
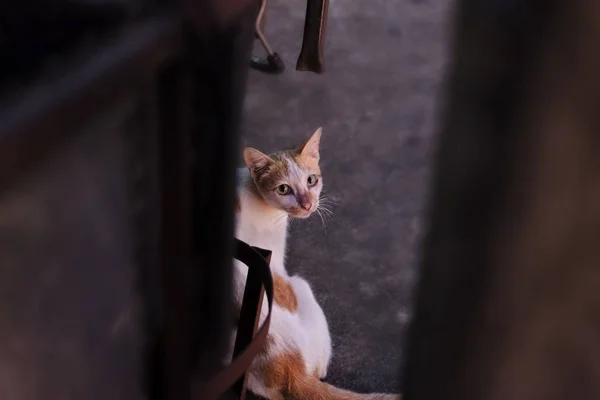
[[306, 205]]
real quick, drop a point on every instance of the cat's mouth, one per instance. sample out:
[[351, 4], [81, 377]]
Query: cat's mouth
[[301, 213]]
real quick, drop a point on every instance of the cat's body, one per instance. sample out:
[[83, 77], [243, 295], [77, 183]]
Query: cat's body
[[298, 348], [297, 321]]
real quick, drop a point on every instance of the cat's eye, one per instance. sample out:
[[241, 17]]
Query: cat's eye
[[282, 189], [312, 180]]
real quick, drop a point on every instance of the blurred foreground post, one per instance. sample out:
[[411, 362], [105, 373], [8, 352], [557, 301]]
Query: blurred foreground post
[[508, 304], [118, 141]]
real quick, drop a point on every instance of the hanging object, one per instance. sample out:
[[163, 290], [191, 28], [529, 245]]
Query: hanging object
[[311, 56]]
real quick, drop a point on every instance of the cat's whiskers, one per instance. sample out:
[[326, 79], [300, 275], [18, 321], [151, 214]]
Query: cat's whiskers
[[327, 199], [322, 219], [324, 209], [326, 203], [328, 213], [291, 219]]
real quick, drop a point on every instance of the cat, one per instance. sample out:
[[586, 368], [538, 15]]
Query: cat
[[273, 189]]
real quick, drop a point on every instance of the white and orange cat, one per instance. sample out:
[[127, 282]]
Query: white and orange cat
[[271, 190]]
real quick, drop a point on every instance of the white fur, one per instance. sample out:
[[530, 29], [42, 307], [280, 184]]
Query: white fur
[[305, 330]]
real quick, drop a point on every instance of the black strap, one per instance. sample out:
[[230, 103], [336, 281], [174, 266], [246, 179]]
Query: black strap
[[224, 379]]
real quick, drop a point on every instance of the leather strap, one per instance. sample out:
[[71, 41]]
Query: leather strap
[[224, 379]]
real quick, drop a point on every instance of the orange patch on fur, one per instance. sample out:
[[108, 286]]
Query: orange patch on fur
[[308, 163], [273, 173], [286, 374], [283, 294], [280, 372]]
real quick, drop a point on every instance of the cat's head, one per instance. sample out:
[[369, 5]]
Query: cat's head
[[289, 180]]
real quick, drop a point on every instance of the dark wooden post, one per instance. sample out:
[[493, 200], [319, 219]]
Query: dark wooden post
[[175, 142], [194, 59], [508, 304], [219, 54]]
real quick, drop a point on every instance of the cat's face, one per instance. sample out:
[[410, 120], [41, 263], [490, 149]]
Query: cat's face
[[289, 180]]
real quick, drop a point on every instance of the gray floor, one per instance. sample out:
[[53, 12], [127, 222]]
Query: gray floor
[[377, 104]]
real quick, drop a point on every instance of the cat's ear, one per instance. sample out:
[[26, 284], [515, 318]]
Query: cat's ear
[[311, 147], [256, 160]]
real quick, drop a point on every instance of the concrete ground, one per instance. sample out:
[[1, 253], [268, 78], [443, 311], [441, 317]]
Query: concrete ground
[[377, 104]]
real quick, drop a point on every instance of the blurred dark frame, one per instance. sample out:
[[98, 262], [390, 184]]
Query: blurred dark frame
[[183, 65], [508, 306]]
